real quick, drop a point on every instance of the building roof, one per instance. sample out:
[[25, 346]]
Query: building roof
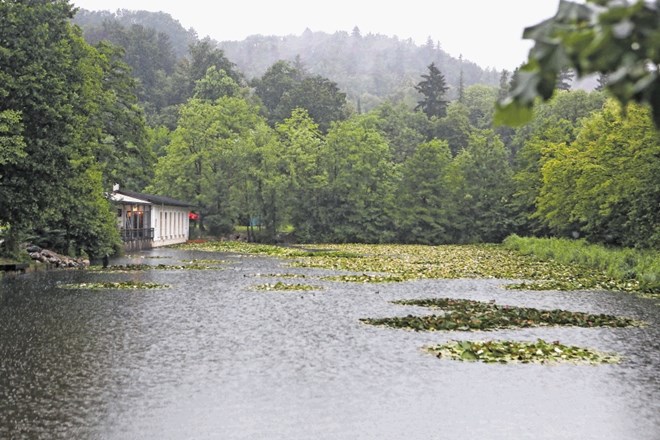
[[153, 199], [122, 198]]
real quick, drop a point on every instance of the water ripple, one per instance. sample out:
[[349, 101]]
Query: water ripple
[[211, 358]]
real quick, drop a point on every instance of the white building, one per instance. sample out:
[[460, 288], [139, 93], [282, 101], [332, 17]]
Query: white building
[[147, 221]]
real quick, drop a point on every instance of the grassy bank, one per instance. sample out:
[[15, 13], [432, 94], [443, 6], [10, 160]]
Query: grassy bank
[[623, 264]]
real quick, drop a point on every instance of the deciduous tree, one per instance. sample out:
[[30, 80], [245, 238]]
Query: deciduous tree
[[48, 79], [321, 97], [423, 202], [356, 203], [404, 128], [604, 185], [479, 182], [300, 179], [279, 79], [214, 161]]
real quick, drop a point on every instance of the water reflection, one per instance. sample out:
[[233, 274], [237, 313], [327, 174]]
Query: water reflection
[[210, 358]]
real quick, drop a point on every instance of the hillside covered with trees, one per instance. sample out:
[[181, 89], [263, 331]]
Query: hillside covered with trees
[[369, 68], [284, 146]]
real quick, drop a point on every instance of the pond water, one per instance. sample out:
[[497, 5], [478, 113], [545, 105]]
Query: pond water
[[210, 358]]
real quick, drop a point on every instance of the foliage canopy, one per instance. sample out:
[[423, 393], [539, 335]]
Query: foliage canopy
[[616, 38]]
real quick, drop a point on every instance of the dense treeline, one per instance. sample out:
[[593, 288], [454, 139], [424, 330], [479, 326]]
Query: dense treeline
[[286, 151], [397, 174], [69, 125]]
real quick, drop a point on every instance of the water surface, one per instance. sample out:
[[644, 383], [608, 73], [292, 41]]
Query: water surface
[[210, 358]]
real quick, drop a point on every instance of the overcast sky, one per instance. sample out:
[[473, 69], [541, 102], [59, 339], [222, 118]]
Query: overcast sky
[[488, 32]]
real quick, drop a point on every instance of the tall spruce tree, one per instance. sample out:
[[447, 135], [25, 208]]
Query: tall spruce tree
[[603, 78], [461, 82], [565, 79], [433, 89], [505, 84]]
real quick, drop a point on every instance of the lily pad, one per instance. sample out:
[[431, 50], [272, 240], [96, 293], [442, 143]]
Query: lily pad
[[469, 315], [280, 286], [366, 278], [395, 263], [282, 275], [122, 285], [505, 352], [123, 268], [201, 261]]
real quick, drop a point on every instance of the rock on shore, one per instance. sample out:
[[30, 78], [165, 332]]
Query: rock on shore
[[56, 260]]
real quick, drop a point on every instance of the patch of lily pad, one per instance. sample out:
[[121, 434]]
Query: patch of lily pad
[[282, 275], [505, 352], [269, 250], [365, 278], [202, 261], [149, 257], [120, 285], [470, 315], [397, 263], [574, 284], [123, 268], [280, 286]]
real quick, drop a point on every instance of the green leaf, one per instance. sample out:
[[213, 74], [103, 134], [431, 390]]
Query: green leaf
[[513, 113]]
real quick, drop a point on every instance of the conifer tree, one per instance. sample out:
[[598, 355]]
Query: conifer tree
[[602, 81], [505, 85], [565, 79], [433, 88], [461, 82]]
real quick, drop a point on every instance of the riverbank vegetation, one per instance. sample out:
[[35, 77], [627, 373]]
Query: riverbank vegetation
[[288, 151], [641, 266]]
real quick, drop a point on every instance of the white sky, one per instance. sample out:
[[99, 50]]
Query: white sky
[[488, 32]]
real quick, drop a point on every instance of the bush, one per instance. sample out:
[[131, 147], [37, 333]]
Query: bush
[[219, 225]]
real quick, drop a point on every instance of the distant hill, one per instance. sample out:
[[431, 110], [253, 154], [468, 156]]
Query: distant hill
[[368, 68], [91, 23]]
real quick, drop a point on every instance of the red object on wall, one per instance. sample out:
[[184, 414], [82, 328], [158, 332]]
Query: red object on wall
[[193, 216]]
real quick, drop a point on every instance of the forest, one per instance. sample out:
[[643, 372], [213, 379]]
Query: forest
[[320, 150], [369, 68]]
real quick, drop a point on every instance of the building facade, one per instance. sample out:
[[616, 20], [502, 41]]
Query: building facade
[[146, 221]]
